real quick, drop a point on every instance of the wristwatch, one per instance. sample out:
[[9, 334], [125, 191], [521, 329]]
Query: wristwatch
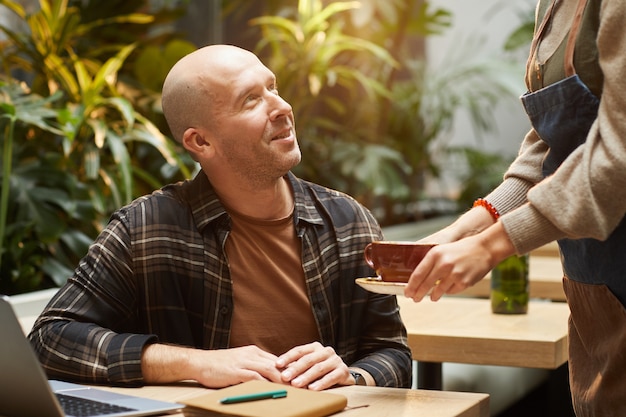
[[358, 378]]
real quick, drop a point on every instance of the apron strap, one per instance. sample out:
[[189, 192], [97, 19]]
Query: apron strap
[[537, 37], [571, 39]]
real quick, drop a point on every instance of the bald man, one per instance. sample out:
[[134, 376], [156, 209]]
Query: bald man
[[244, 272]]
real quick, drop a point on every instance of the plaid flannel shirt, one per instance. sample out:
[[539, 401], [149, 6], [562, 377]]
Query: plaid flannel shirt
[[158, 273]]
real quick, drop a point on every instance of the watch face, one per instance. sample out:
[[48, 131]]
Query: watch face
[[358, 378]]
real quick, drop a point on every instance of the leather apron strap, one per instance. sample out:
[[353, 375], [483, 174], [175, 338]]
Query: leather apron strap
[[571, 39], [536, 38]]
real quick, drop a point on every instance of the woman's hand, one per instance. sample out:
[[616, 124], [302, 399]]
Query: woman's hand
[[450, 268]]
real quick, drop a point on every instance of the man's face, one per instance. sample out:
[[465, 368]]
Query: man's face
[[254, 129]]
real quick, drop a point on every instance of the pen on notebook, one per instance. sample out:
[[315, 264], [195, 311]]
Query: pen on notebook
[[253, 397]]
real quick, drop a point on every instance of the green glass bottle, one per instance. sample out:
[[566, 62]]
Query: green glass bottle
[[509, 286]]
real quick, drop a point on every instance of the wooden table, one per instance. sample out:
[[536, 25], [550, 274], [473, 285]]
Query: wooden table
[[362, 401], [545, 275], [464, 330]]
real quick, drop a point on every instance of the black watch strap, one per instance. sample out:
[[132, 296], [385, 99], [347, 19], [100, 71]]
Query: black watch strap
[[358, 378]]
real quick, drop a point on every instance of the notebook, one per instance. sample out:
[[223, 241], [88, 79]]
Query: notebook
[[26, 392], [299, 402]]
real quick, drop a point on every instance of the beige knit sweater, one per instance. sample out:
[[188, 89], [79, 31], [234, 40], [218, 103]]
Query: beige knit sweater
[[586, 196]]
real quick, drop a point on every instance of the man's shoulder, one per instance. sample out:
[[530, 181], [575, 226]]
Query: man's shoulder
[[340, 206], [323, 193], [166, 202], [172, 193]]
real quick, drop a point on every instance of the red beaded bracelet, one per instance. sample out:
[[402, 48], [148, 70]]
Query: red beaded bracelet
[[490, 208]]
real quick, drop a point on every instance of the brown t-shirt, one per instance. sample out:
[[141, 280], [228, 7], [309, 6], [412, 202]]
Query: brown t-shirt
[[271, 306]]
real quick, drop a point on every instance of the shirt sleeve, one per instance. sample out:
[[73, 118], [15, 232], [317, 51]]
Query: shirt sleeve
[[81, 335], [384, 350]]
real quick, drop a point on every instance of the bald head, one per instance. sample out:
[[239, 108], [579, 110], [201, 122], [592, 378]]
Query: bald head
[[189, 93]]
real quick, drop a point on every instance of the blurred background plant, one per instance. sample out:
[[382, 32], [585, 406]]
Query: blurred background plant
[[81, 134]]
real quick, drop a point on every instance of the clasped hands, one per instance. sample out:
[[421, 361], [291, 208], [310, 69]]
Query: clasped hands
[[311, 366]]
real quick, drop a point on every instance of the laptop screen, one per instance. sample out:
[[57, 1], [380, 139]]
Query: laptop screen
[[26, 391]]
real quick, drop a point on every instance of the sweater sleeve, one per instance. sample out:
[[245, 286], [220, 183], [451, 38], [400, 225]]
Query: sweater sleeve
[[586, 196]]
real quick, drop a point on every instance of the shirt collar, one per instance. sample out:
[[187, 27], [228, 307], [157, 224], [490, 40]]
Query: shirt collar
[[305, 207], [206, 207]]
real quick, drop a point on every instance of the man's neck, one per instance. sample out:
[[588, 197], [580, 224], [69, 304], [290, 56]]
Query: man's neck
[[274, 201]]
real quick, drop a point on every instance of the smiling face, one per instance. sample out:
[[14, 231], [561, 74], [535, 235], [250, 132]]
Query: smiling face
[[254, 127], [228, 102]]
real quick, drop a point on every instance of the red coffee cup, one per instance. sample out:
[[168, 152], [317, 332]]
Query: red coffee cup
[[395, 261]]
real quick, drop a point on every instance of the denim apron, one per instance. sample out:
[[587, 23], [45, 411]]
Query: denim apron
[[595, 271]]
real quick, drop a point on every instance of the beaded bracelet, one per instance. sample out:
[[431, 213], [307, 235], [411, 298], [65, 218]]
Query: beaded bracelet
[[487, 205]]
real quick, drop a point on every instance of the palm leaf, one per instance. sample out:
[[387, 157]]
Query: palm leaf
[[318, 20]]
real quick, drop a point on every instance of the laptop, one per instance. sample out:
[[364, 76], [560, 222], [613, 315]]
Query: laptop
[[25, 390]]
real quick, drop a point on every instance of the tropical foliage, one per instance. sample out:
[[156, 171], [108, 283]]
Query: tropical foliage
[[77, 142]]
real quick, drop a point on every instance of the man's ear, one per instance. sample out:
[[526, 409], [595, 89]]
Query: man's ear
[[195, 142]]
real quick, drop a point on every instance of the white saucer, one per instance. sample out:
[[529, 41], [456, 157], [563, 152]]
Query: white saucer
[[375, 284]]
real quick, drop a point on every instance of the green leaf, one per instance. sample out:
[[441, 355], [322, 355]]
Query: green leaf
[[56, 270], [125, 108], [40, 201], [520, 37], [280, 26], [136, 18], [15, 7], [319, 19], [59, 72], [29, 109], [108, 72], [147, 132], [123, 161]]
